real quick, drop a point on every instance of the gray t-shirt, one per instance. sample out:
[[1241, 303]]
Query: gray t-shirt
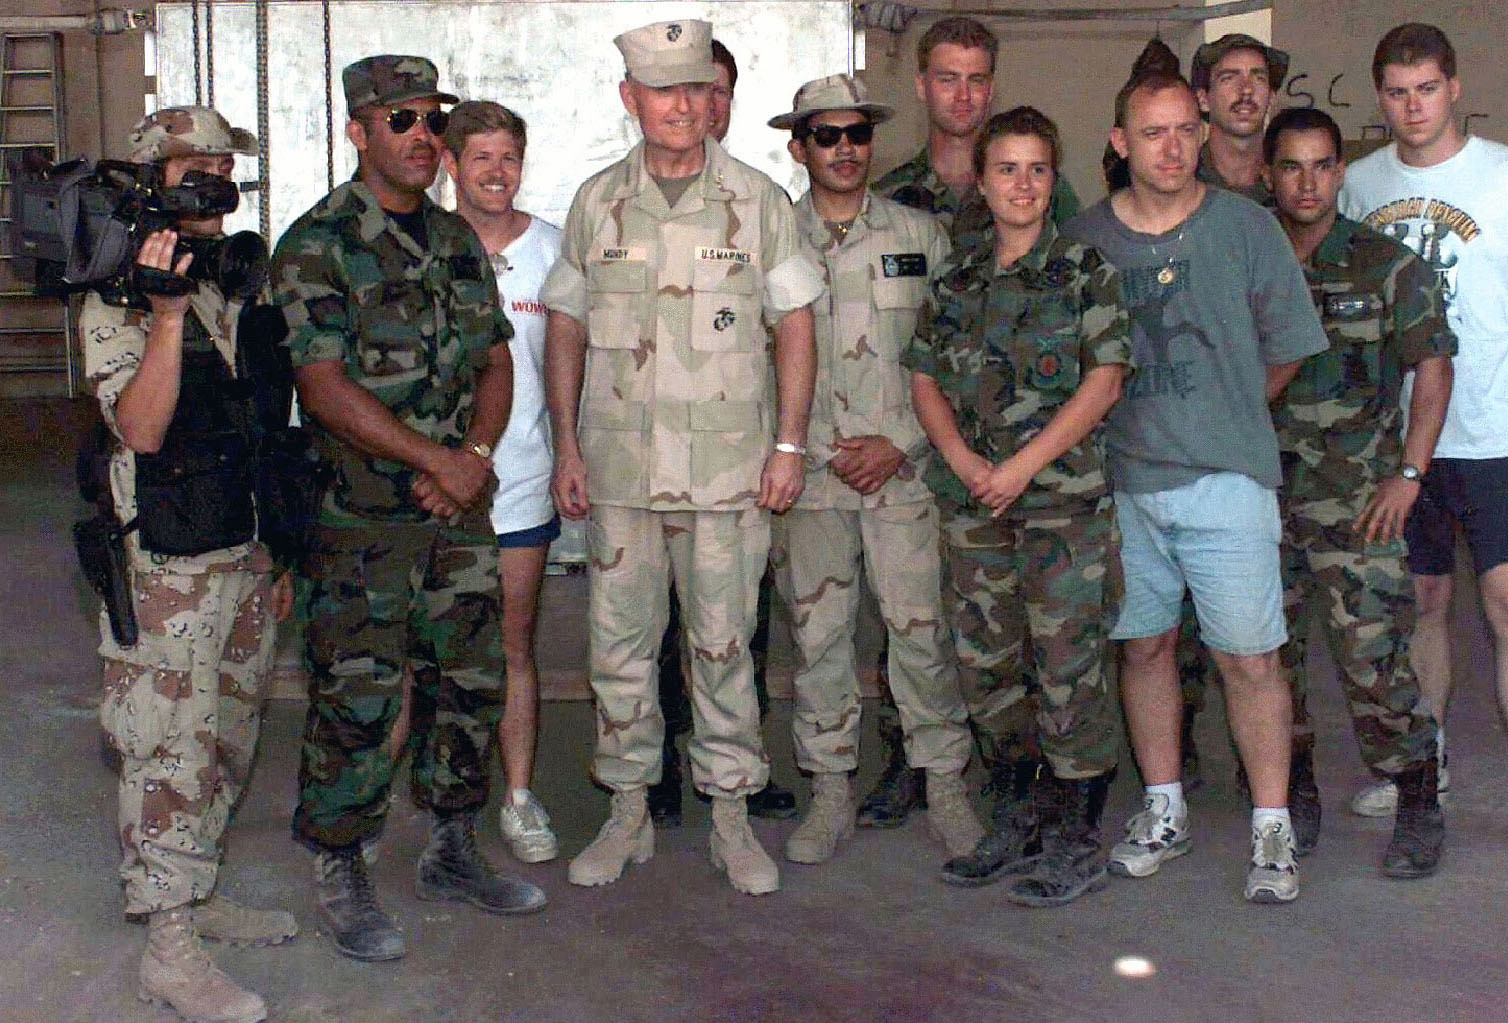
[[1213, 303]]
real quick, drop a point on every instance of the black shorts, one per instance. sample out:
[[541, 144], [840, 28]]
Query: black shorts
[[1471, 493]]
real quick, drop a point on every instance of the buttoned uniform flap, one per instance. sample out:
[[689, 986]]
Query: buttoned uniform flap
[[614, 415], [616, 290], [724, 416], [615, 275], [724, 300], [900, 279]]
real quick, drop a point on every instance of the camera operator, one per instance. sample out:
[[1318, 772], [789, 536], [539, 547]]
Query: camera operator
[[183, 704]]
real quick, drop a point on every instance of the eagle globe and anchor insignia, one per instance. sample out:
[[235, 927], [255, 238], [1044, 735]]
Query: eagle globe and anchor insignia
[[724, 319], [672, 33]]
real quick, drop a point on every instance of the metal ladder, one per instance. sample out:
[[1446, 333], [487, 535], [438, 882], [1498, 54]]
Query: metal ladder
[[36, 332]]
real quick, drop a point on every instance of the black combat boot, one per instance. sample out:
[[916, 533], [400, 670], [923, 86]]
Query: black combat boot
[[348, 903], [1419, 828], [900, 788], [773, 802], [452, 867], [1303, 802], [664, 796], [1073, 860], [1015, 843]]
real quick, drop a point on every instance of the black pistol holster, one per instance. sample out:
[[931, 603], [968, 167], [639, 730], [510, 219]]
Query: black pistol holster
[[100, 541]]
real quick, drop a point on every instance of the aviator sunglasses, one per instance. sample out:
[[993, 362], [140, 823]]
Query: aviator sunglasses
[[827, 135], [402, 120]]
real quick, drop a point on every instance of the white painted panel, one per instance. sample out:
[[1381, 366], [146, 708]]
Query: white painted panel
[[553, 63]]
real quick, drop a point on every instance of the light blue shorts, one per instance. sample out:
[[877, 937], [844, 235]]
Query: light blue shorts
[[1217, 536]]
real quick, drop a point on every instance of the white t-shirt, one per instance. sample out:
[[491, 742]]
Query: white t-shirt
[[1455, 216], [523, 458]]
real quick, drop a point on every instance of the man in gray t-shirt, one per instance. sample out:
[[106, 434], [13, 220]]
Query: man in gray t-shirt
[[1221, 319]]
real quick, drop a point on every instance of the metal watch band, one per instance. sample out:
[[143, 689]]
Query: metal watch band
[[1409, 472], [480, 449], [789, 448]]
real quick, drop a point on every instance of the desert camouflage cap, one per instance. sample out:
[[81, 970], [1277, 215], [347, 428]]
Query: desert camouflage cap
[[1210, 54], [186, 131], [391, 78], [835, 92], [668, 53]]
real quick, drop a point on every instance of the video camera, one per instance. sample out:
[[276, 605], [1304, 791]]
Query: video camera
[[79, 226]]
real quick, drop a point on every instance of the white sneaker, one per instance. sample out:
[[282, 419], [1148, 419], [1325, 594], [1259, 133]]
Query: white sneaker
[[1152, 836], [1380, 799], [526, 827], [1273, 876]]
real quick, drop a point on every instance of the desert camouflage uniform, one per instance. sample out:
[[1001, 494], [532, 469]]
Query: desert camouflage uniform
[[676, 421], [389, 585], [876, 276], [1031, 594], [183, 705], [1337, 425]]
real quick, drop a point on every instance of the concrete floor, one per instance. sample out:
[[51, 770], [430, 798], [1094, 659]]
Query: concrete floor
[[872, 935]]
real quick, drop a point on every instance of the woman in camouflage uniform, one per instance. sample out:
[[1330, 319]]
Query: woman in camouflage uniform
[[1021, 350]]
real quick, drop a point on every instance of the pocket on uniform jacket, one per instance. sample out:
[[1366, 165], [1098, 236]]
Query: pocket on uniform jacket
[[725, 311], [729, 442], [618, 291]]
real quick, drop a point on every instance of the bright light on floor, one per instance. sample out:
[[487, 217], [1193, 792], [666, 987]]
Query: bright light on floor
[[1134, 967]]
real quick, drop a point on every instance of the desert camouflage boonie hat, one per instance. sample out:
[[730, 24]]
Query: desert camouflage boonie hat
[[668, 53], [1210, 54], [186, 131], [391, 78], [835, 92]]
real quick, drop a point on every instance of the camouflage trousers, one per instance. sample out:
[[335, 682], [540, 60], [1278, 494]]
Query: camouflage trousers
[[183, 707], [817, 555], [1031, 604], [382, 596], [716, 559], [1363, 597]]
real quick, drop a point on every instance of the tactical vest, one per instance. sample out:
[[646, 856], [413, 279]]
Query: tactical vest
[[195, 494]]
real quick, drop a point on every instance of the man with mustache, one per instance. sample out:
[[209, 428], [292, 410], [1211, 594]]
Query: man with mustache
[[865, 500], [401, 360], [1235, 78]]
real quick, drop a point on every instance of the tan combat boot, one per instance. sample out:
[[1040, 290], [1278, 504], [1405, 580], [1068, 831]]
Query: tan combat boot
[[176, 972], [220, 919], [628, 836], [829, 820], [949, 813], [736, 851]]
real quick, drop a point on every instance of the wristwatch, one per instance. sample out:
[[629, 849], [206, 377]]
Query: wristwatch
[[790, 449], [481, 450], [1410, 472]]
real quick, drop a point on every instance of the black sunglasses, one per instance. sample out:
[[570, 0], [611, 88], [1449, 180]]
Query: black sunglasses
[[402, 120], [827, 135]]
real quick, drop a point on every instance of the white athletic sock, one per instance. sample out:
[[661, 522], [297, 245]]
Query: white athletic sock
[[1173, 790], [518, 796], [1261, 816]]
